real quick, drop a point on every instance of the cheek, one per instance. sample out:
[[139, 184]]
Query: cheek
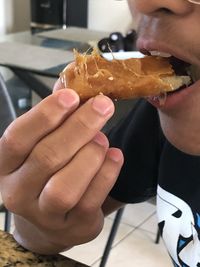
[[134, 11], [132, 7]]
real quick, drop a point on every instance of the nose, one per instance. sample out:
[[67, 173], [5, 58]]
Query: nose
[[155, 7]]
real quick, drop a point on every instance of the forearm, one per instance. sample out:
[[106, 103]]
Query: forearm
[[31, 238]]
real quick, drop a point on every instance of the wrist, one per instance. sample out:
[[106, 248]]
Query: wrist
[[27, 235]]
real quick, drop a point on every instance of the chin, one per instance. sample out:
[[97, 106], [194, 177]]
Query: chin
[[187, 143]]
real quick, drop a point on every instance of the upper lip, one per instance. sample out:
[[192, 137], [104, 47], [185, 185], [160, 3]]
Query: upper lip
[[153, 45]]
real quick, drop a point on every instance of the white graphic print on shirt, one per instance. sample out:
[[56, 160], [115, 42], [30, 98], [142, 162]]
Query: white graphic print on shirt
[[179, 230]]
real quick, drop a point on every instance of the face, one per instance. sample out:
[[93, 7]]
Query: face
[[172, 26]]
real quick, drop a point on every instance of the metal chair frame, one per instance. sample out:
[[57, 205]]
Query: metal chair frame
[[112, 235], [7, 115]]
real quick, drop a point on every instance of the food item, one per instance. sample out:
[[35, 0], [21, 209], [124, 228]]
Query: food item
[[91, 74]]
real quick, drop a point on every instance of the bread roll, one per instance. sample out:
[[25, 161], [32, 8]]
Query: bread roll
[[92, 74]]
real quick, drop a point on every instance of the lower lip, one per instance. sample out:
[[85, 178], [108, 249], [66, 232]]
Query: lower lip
[[176, 98]]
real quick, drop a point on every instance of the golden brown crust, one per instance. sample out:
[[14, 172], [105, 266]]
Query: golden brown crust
[[90, 75]]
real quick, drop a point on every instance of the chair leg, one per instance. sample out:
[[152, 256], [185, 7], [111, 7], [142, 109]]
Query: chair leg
[[111, 237], [7, 224], [157, 237]]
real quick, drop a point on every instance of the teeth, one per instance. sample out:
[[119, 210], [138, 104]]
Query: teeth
[[160, 54]]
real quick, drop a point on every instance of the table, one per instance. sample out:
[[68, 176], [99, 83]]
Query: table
[[12, 254], [39, 46], [46, 54]]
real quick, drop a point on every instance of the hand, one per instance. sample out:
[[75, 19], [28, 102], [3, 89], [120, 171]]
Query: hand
[[56, 169]]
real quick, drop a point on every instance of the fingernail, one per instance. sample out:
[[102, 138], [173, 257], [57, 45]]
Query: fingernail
[[115, 154], [103, 105], [68, 98], [101, 140]]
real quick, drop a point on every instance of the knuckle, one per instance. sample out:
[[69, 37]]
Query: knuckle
[[45, 156], [109, 175], [95, 228], [45, 118], [97, 152], [95, 231], [99, 159], [57, 200], [95, 222], [82, 123], [12, 204], [12, 143], [108, 178], [87, 208]]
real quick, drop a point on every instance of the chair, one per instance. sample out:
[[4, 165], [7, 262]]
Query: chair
[[7, 115], [112, 235]]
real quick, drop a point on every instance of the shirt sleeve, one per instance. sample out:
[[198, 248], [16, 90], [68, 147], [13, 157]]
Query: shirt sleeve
[[139, 137]]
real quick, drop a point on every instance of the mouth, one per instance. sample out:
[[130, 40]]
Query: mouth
[[182, 68]]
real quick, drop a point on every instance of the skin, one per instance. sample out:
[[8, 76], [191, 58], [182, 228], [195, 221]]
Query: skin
[[49, 176], [180, 20], [56, 178]]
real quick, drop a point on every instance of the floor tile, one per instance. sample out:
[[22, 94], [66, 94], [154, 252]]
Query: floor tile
[[136, 214], [2, 222], [2, 219], [92, 251], [151, 224], [138, 249]]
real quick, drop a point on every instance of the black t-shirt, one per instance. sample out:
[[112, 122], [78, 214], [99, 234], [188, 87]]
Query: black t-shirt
[[154, 167]]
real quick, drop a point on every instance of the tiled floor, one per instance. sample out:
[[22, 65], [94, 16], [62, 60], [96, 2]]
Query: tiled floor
[[134, 245]]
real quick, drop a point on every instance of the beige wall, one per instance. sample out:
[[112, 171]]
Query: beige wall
[[21, 11], [109, 15], [105, 15], [14, 15]]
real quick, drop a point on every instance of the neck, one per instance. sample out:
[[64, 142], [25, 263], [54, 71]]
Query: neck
[[182, 132]]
